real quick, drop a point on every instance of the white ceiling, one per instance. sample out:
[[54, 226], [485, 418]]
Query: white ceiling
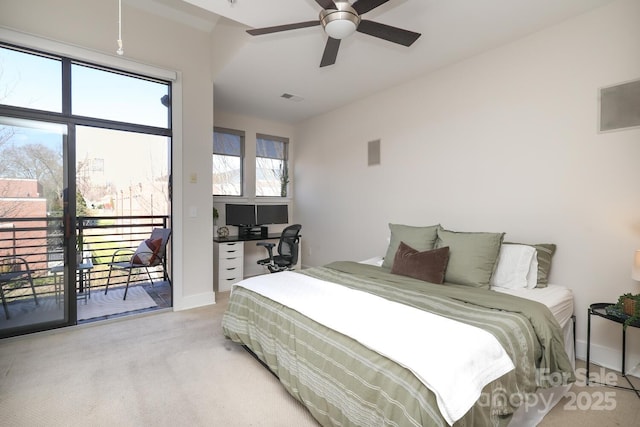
[[254, 71]]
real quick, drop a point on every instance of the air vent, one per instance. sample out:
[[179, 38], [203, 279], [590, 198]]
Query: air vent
[[620, 106], [291, 97], [374, 152]]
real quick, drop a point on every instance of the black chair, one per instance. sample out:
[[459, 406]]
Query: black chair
[[288, 247], [14, 274]]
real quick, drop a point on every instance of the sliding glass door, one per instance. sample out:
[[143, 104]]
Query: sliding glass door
[[84, 175], [33, 219]]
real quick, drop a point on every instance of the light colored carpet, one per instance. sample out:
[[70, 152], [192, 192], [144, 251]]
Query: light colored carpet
[[174, 369], [158, 369], [595, 405], [99, 304]]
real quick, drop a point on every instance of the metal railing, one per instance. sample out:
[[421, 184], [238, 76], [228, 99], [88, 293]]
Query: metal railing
[[40, 242]]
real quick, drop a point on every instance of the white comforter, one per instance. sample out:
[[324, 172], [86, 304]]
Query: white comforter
[[456, 376]]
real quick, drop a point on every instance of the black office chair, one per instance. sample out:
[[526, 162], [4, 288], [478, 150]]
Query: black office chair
[[288, 246]]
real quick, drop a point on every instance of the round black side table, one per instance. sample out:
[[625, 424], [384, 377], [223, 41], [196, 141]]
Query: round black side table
[[599, 309]]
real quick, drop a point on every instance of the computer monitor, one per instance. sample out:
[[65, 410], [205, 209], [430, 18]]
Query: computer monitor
[[240, 215], [272, 214]]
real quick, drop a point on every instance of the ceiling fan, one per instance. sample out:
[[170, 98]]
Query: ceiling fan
[[340, 19]]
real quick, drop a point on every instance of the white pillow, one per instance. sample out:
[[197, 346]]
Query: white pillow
[[377, 261], [532, 276], [514, 266]]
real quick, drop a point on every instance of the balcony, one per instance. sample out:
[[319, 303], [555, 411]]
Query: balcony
[[40, 243]]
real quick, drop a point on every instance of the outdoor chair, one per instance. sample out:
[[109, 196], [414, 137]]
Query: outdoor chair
[[150, 253], [14, 275], [288, 247]]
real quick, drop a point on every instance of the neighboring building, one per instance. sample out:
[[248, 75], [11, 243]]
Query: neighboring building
[[21, 200]]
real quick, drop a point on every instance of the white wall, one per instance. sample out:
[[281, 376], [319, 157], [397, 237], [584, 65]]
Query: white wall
[[152, 40], [505, 141]]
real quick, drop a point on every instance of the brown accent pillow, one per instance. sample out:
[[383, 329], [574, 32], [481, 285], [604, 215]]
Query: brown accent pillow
[[429, 266], [147, 252]]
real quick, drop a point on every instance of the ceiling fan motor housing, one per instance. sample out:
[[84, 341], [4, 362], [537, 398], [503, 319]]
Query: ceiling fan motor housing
[[341, 22]]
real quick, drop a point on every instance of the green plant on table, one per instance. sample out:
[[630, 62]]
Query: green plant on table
[[629, 305], [284, 179], [215, 214]]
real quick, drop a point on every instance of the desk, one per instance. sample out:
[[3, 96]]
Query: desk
[[84, 272], [252, 237], [236, 257]]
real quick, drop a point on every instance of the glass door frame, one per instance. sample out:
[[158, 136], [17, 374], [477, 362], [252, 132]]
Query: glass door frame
[[65, 117], [64, 290]]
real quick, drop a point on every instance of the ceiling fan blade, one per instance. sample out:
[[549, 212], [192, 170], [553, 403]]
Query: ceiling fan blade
[[330, 52], [326, 4], [364, 6], [286, 27], [387, 32]]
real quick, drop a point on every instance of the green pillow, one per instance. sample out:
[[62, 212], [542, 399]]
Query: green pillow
[[544, 253], [472, 256], [419, 238]]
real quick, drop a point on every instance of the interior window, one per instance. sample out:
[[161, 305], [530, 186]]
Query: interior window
[[228, 151], [272, 170]]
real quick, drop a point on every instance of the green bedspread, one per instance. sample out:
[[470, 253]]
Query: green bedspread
[[345, 383]]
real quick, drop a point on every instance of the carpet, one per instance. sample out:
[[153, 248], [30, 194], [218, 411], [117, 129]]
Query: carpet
[[166, 369], [112, 303]]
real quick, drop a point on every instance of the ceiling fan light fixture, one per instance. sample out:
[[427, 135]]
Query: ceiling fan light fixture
[[340, 23], [339, 20]]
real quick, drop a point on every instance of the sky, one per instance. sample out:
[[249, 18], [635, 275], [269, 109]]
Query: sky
[[36, 82], [130, 158]]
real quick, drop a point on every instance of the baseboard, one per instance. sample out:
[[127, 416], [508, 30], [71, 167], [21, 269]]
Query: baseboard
[[635, 371], [610, 358], [194, 301]]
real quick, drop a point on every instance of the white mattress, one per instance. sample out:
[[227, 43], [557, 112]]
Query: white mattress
[[558, 298]]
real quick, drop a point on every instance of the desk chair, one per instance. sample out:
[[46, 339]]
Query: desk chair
[[150, 253], [14, 273], [288, 247]]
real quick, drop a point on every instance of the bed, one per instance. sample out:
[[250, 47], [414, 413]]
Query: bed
[[360, 345]]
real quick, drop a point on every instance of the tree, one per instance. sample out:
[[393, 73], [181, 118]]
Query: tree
[[81, 205], [32, 160]]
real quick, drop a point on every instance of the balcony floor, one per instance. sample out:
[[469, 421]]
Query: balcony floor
[[160, 292], [25, 312]]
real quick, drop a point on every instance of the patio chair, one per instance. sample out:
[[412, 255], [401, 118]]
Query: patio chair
[[150, 253], [14, 274]]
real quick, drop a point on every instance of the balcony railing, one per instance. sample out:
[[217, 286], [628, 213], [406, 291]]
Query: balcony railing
[[41, 243]]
